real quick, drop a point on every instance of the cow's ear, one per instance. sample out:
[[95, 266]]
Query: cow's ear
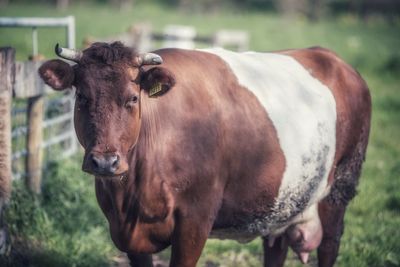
[[57, 74], [157, 81]]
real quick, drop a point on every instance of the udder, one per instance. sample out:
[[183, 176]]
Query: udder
[[305, 237]]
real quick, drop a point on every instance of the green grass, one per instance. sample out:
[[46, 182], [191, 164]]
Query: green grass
[[62, 227], [65, 226]]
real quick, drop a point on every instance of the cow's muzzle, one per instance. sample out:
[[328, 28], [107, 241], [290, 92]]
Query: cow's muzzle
[[107, 164]]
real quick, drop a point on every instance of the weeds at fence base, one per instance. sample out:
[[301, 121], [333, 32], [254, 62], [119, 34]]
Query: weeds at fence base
[[63, 227]]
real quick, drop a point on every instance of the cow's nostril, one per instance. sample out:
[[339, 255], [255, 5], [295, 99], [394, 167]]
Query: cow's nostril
[[95, 162], [114, 161]]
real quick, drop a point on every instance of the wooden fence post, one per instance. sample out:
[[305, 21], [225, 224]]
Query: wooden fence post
[[34, 157], [7, 69], [34, 137]]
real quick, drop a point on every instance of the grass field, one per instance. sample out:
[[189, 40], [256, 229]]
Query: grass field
[[64, 227]]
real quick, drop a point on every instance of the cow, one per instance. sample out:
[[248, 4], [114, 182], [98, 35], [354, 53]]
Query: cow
[[191, 144]]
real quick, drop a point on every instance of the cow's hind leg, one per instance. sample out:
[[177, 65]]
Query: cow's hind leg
[[140, 260], [332, 224], [332, 208], [275, 254]]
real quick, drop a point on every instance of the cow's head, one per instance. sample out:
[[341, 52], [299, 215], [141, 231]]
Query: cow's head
[[108, 79]]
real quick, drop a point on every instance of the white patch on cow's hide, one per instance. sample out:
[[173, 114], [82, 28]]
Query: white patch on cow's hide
[[303, 111]]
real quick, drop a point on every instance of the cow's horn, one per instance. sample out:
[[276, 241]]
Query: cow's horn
[[67, 53], [149, 59]]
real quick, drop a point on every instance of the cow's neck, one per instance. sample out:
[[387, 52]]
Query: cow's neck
[[140, 191], [150, 124], [114, 195]]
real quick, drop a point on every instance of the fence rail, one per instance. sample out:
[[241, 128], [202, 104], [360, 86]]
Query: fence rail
[[22, 131], [34, 23]]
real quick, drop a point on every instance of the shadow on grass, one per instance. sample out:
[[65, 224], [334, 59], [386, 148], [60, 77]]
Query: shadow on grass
[[26, 253]]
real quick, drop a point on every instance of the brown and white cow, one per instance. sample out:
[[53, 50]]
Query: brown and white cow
[[214, 143]]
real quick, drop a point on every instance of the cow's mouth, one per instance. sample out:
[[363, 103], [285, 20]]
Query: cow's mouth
[[118, 177], [106, 174]]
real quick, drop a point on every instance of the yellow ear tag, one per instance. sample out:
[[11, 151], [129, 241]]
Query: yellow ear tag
[[155, 89]]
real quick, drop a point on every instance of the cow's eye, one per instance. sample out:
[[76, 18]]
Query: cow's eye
[[131, 101]]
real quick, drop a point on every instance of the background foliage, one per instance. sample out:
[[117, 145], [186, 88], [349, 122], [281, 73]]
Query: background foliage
[[64, 227], [362, 7]]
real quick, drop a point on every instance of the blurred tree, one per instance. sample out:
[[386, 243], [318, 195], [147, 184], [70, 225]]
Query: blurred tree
[[3, 3], [62, 4], [184, 4], [316, 9], [312, 9], [122, 4], [292, 7], [255, 4], [212, 6], [389, 8]]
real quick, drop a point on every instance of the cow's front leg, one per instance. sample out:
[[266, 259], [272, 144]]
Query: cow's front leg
[[275, 252], [189, 237], [140, 260]]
